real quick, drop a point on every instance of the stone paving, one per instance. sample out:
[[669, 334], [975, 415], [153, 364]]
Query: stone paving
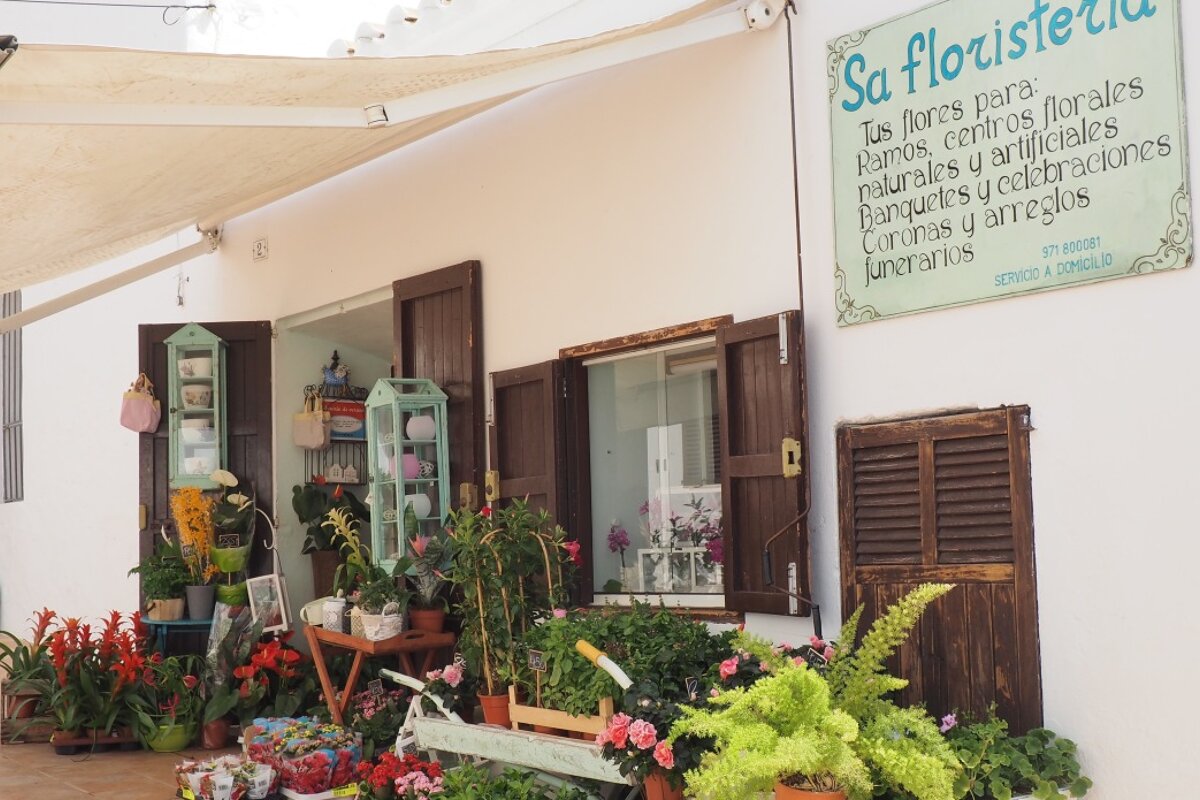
[[33, 771]]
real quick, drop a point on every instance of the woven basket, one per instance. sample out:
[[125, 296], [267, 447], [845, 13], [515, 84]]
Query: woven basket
[[377, 627]]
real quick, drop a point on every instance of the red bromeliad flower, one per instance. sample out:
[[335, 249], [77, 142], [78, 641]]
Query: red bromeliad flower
[[140, 631], [58, 655], [41, 624]]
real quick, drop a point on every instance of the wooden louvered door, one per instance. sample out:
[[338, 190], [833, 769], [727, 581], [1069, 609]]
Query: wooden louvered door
[[948, 499]]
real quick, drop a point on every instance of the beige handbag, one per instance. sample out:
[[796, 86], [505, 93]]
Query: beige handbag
[[311, 427]]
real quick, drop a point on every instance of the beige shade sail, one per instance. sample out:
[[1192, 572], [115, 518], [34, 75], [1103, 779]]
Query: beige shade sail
[[105, 150]]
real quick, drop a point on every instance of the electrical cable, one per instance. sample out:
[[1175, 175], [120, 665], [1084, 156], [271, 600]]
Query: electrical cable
[[787, 16], [166, 7]]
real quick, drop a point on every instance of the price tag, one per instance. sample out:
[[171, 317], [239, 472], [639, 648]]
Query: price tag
[[537, 661], [187, 794], [229, 540], [693, 686], [349, 790], [375, 687], [188, 551]]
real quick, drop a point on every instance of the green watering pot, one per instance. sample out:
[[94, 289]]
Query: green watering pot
[[233, 594], [231, 559], [172, 738]]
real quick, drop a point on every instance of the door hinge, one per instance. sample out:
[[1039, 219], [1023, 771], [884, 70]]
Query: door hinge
[[491, 485], [791, 457], [563, 380], [274, 332], [783, 339]]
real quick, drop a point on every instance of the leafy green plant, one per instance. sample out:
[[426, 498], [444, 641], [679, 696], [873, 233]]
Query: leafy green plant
[[648, 643], [375, 596], [166, 696], [312, 503], [997, 766], [470, 782], [164, 573], [356, 567], [903, 746], [782, 728]]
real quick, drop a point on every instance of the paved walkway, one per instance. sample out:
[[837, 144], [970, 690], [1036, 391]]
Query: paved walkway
[[34, 772]]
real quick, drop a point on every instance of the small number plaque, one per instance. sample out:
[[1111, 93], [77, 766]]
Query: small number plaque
[[375, 687], [537, 661], [229, 540]]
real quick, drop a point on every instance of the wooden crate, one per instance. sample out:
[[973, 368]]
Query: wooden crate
[[26, 731], [521, 714]]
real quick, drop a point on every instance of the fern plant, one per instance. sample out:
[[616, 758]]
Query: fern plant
[[902, 746], [781, 728]]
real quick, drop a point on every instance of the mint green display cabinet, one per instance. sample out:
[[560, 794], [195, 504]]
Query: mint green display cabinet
[[196, 405], [408, 464]]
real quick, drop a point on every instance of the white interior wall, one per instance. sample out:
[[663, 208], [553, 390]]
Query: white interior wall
[[661, 192]]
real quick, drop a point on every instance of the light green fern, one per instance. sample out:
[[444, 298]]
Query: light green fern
[[781, 726], [902, 746]]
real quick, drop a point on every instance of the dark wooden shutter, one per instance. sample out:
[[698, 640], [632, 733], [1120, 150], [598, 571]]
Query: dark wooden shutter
[[248, 398], [948, 499], [760, 382], [438, 335], [526, 435], [12, 447]]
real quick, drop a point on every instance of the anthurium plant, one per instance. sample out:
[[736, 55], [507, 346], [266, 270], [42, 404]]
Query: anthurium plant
[[167, 697], [312, 504], [234, 511]]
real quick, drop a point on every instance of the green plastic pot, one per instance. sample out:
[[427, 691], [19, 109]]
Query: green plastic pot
[[231, 559], [233, 594], [172, 738]]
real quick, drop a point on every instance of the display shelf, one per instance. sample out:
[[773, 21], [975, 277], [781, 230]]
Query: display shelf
[[190, 350]]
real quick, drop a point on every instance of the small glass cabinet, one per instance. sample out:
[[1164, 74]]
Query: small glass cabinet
[[409, 464], [196, 394]]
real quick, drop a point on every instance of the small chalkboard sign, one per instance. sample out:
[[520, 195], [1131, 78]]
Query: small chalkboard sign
[[537, 661], [375, 687], [229, 540], [188, 551]]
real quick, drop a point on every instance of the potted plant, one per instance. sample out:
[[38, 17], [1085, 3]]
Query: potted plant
[[232, 650], [192, 511], [424, 571], [25, 667], [636, 741], [167, 706], [311, 503], [995, 764], [164, 576], [233, 516], [782, 733], [382, 602]]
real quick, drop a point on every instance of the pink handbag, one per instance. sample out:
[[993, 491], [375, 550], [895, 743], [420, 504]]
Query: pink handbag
[[140, 411]]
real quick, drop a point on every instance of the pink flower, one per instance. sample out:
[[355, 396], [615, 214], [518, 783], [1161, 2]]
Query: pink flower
[[572, 549], [643, 734], [799, 661], [618, 730], [419, 544], [728, 667], [433, 675], [713, 692], [453, 675], [816, 642], [664, 755], [828, 654], [603, 737], [762, 667], [949, 721], [560, 613]]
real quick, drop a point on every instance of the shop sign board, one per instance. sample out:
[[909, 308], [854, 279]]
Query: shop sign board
[[986, 150]]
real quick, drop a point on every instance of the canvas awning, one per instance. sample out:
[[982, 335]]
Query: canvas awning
[[105, 150]]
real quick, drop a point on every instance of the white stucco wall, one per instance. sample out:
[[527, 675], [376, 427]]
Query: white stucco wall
[[661, 192]]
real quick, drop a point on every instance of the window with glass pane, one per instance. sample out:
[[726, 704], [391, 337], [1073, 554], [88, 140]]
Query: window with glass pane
[[656, 471]]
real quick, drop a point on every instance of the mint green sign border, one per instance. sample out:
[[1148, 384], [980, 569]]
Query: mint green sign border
[[1173, 247]]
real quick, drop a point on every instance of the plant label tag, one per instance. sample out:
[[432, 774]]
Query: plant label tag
[[693, 686], [375, 687], [229, 540], [349, 790], [187, 794], [537, 661], [188, 551]]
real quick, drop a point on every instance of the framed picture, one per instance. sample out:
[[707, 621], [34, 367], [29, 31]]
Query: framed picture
[[268, 604]]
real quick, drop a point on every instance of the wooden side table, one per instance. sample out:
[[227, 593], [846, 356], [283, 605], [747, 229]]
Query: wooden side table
[[403, 645]]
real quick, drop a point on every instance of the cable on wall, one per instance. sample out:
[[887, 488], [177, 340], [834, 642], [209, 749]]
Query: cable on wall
[[166, 8], [789, 10]]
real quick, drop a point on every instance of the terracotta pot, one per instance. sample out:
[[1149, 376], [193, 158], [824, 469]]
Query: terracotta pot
[[215, 734], [495, 709], [785, 792], [546, 729], [165, 610], [20, 704], [430, 620], [324, 565], [657, 787]]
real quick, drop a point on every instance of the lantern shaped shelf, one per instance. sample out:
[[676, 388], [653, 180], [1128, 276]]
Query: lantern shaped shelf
[[408, 464], [196, 399]]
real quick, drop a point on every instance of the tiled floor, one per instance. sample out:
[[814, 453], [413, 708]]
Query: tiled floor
[[33, 771]]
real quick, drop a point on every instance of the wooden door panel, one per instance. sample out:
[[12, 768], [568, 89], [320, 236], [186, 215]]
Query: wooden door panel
[[947, 499], [438, 335]]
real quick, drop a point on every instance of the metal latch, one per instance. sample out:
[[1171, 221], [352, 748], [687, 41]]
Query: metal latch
[[491, 485], [791, 458], [468, 496]]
